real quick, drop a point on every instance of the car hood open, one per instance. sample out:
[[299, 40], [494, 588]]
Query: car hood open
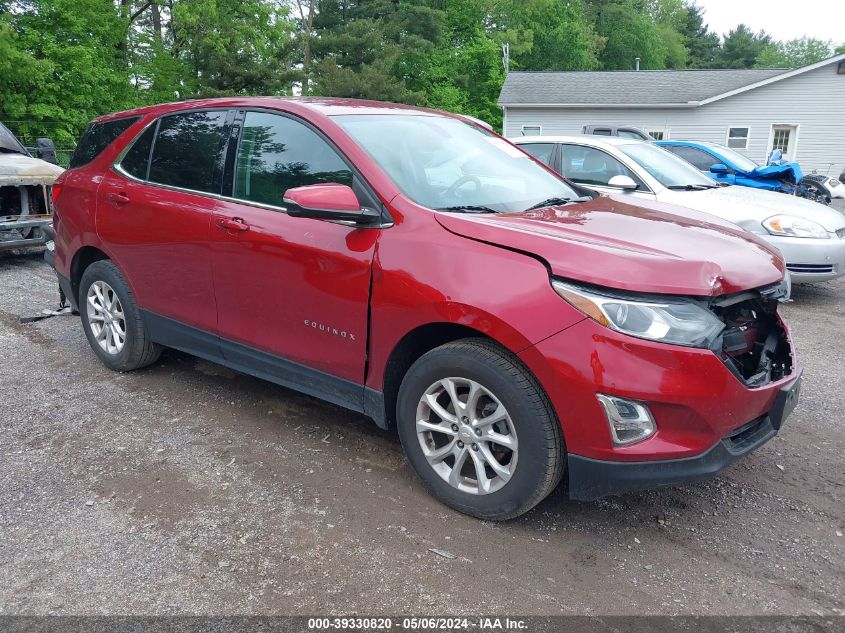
[[643, 248]]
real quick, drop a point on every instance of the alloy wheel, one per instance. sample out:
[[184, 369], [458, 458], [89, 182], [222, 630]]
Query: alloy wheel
[[106, 318], [467, 435]]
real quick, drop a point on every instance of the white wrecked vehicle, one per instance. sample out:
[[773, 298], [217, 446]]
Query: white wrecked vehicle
[[25, 193]]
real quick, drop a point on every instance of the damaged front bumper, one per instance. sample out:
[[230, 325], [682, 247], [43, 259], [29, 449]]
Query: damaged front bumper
[[23, 231], [591, 479]]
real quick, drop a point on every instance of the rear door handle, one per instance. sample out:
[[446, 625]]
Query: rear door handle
[[118, 198], [233, 224]]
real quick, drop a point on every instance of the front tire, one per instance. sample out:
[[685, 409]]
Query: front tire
[[112, 321], [479, 431]]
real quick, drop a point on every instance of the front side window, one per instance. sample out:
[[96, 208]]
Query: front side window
[[697, 157], [665, 167], [188, 150], [738, 137], [442, 163], [541, 151], [277, 153], [96, 138], [743, 163], [591, 166]]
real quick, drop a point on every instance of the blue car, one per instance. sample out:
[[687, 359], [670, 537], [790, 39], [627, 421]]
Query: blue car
[[728, 166]]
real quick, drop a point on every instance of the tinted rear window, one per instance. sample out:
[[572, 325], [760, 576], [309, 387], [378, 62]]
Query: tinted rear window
[[188, 151], [137, 159], [96, 138]]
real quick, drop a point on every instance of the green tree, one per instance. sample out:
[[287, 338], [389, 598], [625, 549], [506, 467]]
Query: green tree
[[546, 34], [378, 49], [702, 44], [630, 31], [75, 50], [794, 53], [742, 47]]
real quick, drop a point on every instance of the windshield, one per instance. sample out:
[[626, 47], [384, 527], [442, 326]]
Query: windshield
[[668, 169], [743, 163], [447, 164]]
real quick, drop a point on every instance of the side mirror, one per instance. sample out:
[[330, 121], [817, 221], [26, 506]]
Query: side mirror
[[328, 201], [626, 183], [719, 168]]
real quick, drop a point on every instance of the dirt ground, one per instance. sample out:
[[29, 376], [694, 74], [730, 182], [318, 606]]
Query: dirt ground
[[188, 488]]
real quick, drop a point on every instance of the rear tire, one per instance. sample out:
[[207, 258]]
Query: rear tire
[[502, 452], [112, 321]]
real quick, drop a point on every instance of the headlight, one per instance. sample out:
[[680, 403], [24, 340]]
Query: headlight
[[674, 320], [791, 226]]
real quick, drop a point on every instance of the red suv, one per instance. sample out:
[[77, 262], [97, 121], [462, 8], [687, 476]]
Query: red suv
[[418, 268]]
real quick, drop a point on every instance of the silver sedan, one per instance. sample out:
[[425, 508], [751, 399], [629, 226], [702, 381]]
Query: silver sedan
[[810, 236]]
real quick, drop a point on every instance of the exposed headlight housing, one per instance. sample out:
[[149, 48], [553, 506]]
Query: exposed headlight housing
[[672, 320], [792, 226]]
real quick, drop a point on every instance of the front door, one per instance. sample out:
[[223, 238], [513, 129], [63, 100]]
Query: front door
[[784, 138], [154, 215], [594, 168], [292, 293]]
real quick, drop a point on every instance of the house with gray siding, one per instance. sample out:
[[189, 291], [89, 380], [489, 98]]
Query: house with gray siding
[[800, 111]]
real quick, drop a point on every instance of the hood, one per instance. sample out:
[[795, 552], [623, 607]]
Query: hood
[[643, 248], [10, 143], [788, 171], [749, 207], [17, 169]]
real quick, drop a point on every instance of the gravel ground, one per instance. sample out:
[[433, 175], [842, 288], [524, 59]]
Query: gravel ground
[[188, 488]]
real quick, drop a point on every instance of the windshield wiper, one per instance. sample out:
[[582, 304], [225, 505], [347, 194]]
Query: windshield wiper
[[551, 202], [469, 208], [691, 187]]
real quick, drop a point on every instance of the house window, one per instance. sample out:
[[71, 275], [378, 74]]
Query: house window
[[532, 130], [738, 137], [659, 135], [781, 140]]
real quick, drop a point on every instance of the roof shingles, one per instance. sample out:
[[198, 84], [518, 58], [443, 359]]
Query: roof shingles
[[625, 87]]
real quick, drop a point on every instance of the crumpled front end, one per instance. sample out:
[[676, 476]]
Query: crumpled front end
[[25, 200]]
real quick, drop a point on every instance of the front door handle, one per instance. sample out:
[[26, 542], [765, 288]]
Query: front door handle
[[118, 197], [233, 224]]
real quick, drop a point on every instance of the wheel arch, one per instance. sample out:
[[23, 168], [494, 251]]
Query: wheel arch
[[413, 345], [82, 259]]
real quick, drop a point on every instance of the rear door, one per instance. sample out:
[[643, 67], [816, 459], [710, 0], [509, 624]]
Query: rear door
[[292, 293], [154, 214]]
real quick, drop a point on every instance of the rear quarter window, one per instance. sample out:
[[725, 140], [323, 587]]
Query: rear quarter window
[[96, 138]]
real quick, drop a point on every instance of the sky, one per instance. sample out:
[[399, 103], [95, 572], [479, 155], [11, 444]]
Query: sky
[[822, 19]]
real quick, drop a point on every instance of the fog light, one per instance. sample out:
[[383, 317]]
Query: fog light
[[630, 421]]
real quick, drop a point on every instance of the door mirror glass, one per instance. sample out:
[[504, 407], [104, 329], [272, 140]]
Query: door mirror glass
[[626, 183], [329, 201], [719, 168]]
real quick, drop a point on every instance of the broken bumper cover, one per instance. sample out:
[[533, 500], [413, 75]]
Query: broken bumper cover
[[17, 223], [591, 479]]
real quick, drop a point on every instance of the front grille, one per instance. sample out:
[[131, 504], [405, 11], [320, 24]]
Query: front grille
[[810, 268], [753, 345]]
